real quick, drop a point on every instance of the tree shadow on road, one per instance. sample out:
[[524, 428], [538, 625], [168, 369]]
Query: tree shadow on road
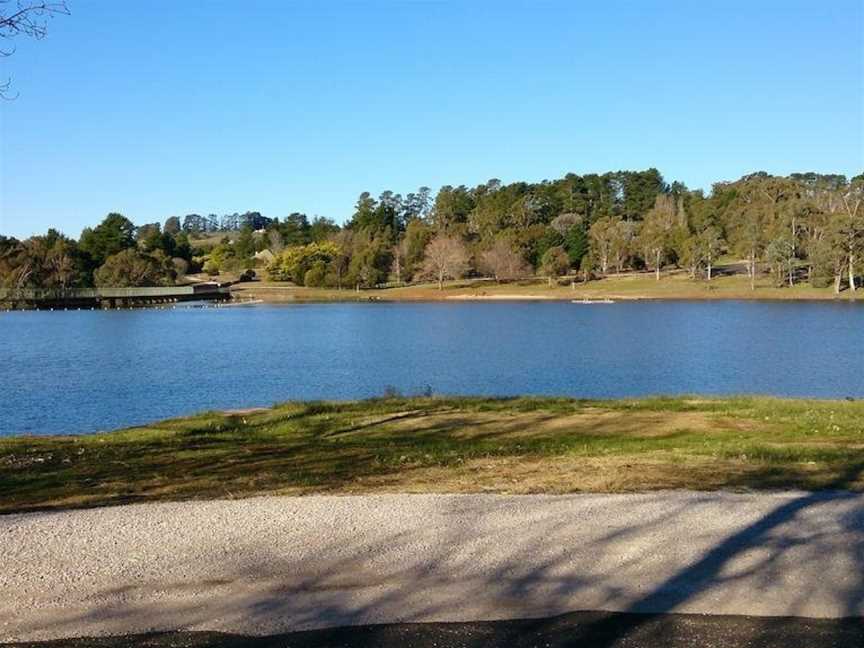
[[708, 571], [356, 583]]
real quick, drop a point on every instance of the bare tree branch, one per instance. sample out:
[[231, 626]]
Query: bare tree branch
[[27, 18]]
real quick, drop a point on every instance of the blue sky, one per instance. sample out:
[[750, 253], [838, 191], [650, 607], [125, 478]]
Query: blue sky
[[159, 108]]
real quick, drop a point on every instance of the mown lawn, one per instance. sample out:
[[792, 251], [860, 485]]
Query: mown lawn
[[524, 445], [632, 285]]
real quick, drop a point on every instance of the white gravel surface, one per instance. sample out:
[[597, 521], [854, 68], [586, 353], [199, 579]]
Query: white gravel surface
[[275, 564]]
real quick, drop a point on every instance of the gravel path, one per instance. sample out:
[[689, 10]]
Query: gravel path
[[272, 565]]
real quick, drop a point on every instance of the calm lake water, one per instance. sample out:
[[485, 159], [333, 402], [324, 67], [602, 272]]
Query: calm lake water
[[78, 372]]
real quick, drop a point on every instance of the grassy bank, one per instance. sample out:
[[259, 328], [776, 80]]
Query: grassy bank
[[675, 285], [525, 445]]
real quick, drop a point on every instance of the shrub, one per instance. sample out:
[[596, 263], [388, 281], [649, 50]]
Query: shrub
[[316, 276]]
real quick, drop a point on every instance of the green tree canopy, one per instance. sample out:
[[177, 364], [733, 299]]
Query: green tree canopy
[[114, 234]]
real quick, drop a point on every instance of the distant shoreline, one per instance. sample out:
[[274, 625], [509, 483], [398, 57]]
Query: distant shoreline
[[625, 288], [632, 287]]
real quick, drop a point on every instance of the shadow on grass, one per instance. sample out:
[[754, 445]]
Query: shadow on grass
[[325, 447]]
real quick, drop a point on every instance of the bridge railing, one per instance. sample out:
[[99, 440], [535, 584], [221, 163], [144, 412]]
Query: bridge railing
[[155, 292]]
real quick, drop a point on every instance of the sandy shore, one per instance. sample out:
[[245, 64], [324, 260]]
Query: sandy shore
[[502, 297], [269, 565]]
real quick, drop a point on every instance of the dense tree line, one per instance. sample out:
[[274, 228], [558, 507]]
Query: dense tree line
[[118, 253], [114, 253], [197, 224], [806, 227]]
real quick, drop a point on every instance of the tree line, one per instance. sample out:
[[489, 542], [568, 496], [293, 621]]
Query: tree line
[[118, 253], [197, 224], [805, 227]]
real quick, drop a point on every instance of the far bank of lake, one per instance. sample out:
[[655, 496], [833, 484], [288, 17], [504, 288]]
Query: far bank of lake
[[730, 284]]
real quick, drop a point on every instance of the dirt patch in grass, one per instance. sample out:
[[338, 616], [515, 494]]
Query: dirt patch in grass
[[590, 421], [561, 475]]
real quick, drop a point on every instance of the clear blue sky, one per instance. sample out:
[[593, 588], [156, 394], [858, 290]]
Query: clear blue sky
[[158, 108]]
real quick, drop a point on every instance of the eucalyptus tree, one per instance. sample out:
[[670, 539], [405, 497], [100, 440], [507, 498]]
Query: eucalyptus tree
[[851, 225], [820, 205], [747, 220], [554, 263], [709, 246], [655, 233], [828, 259], [780, 253], [602, 236], [623, 240]]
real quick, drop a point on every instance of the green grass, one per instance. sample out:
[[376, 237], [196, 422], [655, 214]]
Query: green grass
[[447, 445], [675, 284]]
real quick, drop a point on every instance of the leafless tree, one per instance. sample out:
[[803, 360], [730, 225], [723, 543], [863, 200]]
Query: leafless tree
[[503, 262], [445, 258], [563, 223], [274, 238], [24, 18], [398, 260]]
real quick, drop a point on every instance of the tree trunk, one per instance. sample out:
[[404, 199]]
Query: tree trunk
[[852, 273], [838, 277], [752, 272], [657, 266], [709, 270]]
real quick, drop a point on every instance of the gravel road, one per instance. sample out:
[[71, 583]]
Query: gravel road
[[272, 565]]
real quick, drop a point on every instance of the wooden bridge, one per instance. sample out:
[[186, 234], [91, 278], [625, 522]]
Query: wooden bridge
[[111, 297]]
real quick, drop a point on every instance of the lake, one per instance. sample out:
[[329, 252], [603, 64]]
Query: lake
[[84, 371]]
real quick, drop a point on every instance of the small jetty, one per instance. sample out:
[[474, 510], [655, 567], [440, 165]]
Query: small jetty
[[248, 302], [592, 301]]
